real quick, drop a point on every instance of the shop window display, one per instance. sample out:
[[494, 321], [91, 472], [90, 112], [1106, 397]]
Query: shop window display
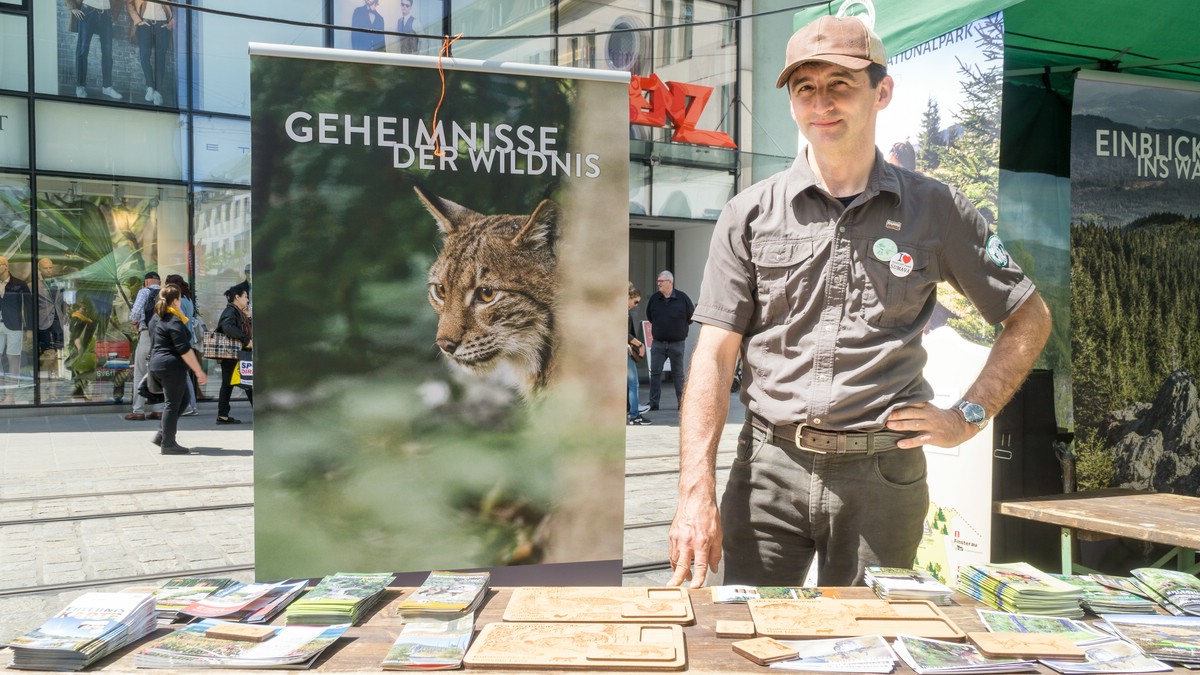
[[96, 240], [110, 50], [416, 17], [16, 298]]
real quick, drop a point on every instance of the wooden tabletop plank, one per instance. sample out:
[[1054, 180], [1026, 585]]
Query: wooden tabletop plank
[[1156, 517], [363, 647]]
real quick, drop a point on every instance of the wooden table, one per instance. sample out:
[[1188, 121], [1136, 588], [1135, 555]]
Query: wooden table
[[363, 647], [1155, 517]]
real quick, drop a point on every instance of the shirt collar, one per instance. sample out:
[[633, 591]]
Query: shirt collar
[[883, 178]]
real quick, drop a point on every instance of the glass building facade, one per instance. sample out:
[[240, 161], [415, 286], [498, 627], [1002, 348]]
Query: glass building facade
[[125, 145]]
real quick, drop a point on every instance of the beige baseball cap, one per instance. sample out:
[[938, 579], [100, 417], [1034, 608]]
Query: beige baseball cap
[[845, 41]]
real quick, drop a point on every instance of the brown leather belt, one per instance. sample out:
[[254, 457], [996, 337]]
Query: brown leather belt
[[823, 442]]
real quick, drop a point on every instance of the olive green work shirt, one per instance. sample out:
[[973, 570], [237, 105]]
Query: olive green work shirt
[[832, 303]]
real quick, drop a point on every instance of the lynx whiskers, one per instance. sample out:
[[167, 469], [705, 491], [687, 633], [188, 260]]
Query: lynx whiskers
[[493, 287]]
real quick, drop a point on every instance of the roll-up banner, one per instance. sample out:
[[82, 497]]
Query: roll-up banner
[[440, 253], [1135, 282], [944, 122]]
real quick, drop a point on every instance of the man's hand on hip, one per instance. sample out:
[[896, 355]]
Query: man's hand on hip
[[695, 541], [933, 426]]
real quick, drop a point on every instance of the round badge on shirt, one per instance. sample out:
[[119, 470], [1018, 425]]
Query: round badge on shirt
[[884, 249], [996, 251], [902, 264]]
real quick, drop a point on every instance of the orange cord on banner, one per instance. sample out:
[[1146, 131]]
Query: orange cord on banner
[[444, 51]]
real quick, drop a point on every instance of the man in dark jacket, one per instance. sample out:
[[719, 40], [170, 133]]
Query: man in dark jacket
[[669, 312], [16, 317]]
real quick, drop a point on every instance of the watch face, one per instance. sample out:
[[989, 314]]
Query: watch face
[[973, 412]]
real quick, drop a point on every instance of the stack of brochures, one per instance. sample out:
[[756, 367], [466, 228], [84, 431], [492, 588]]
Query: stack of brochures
[[445, 595], [1108, 655], [202, 645], [936, 656], [1006, 622], [251, 603], [1177, 592], [339, 598], [431, 644], [898, 583], [728, 594], [1020, 587], [864, 654], [85, 631], [1101, 599], [176, 594], [1103, 653], [1170, 638]]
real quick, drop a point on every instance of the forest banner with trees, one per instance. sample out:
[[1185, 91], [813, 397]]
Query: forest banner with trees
[[1135, 281], [439, 264], [944, 122]]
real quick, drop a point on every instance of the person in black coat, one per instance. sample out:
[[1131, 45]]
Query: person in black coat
[[234, 323], [171, 357]]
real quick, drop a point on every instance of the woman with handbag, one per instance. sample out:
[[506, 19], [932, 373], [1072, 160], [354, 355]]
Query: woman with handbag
[[234, 323], [171, 357], [187, 304], [637, 352]]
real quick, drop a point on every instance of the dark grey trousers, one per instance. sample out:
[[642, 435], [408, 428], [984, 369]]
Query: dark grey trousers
[[782, 505]]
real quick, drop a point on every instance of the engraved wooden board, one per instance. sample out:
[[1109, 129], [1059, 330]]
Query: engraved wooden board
[[607, 604], [584, 646], [825, 617], [1026, 645]]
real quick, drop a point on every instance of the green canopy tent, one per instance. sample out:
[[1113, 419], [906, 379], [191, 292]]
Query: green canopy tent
[[1045, 42]]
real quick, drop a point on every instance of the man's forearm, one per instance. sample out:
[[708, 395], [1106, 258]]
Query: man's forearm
[[705, 408], [1011, 358]]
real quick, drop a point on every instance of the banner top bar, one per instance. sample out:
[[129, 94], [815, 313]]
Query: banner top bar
[[474, 65]]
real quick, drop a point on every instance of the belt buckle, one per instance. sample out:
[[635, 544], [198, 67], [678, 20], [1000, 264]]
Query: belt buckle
[[799, 441]]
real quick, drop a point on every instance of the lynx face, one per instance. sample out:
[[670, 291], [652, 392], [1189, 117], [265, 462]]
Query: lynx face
[[493, 287]]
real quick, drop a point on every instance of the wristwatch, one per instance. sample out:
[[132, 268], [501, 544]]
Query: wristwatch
[[973, 413]]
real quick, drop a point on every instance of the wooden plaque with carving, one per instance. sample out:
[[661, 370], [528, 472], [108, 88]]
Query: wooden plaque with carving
[[584, 646], [825, 617], [607, 604]]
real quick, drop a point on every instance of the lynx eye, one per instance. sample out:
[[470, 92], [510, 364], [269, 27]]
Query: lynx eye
[[439, 291], [485, 294]]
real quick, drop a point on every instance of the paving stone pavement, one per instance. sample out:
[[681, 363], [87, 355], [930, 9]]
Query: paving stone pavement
[[70, 479]]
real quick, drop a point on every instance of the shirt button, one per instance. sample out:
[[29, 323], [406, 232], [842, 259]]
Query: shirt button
[[816, 420], [828, 327]]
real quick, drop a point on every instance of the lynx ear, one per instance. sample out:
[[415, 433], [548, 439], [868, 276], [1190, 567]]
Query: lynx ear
[[447, 214], [541, 230]]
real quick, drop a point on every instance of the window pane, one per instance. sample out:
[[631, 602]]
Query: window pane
[[498, 18], [682, 192], [628, 50], [106, 140], [17, 354], [222, 148], [701, 55], [117, 62], [639, 188], [423, 17], [14, 132], [96, 240], [222, 77], [14, 55], [222, 246]]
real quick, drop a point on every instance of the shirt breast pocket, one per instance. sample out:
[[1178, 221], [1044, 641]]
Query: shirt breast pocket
[[783, 271], [902, 288]]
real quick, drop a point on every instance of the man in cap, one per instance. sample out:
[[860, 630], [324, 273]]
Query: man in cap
[[139, 316], [822, 278]]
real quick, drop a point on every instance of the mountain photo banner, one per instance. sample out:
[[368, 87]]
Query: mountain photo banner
[[1135, 282]]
